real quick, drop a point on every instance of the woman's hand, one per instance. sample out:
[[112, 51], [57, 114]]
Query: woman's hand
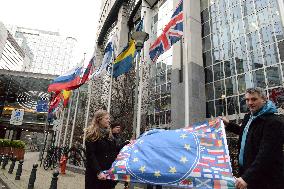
[[102, 176], [225, 120]]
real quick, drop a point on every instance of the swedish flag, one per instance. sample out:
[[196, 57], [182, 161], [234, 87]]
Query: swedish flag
[[124, 60]]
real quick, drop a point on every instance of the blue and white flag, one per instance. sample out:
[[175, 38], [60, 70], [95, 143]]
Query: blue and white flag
[[193, 157], [107, 60]]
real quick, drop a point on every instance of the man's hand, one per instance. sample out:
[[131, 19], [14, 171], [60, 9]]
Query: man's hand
[[225, 120], [240, 183], [102, 176]]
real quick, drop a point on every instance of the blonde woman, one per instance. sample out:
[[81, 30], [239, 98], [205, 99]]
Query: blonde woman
[[100, 152]]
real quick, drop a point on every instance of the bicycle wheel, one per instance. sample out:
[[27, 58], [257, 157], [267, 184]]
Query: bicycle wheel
[[75, 158]]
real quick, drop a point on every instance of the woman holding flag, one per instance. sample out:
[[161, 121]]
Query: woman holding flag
[[100, 152]]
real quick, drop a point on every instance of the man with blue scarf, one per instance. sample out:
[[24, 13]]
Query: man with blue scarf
[[260, 143]]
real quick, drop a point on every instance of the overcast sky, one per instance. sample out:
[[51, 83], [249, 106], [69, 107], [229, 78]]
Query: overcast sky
[[76, 18]]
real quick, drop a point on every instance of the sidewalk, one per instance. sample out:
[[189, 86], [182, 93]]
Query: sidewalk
[[43, 178]]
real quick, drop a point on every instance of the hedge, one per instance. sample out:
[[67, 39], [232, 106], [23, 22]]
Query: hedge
[[12, 143]]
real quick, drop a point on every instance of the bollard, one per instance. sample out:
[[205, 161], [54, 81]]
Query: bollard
[[19, 170], [12, 165], [1, 156], [54, 179], [5, 161], [32, 177]]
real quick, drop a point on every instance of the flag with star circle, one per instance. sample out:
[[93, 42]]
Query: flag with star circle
[[196, 156]]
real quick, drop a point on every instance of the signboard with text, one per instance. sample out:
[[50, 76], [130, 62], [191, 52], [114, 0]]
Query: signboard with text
[[17, 117]]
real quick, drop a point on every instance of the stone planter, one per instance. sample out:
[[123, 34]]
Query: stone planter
[[19, 153]]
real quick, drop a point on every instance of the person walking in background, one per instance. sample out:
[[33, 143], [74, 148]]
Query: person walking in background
[[260, 143], [100, 152]]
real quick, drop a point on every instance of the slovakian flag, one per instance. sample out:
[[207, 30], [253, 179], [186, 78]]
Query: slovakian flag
[[182, 158], [172, 33]]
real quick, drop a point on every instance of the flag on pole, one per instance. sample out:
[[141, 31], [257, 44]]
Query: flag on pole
[[124, 61], [177, 158], [56, 99], [66, 96], [107, 60], [172, 33]]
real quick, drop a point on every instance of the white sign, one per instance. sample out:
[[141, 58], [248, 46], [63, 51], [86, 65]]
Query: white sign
[[17, 117]]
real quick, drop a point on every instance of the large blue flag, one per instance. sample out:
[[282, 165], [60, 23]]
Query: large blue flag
[[193, 157]]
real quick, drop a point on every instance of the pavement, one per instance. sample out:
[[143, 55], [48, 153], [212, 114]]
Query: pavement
[[70, 180]]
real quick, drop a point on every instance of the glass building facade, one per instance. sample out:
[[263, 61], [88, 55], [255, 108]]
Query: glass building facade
[[243, 47], [159, 111]]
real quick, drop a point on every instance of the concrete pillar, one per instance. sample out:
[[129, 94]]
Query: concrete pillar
[[122, 29]]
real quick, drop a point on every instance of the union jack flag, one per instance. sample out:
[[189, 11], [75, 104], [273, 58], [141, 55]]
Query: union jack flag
[[170, 35]]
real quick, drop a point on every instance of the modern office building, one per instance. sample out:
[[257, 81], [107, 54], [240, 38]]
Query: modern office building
[[228, 46], [12, 56], [51, 53]]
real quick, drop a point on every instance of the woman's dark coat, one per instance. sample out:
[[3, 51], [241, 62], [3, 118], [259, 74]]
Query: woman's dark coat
[[99, 156], [263, 156]]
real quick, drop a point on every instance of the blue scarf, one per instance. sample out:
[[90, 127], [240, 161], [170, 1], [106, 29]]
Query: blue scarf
[[268, 108]]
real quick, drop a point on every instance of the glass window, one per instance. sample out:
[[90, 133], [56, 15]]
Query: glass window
[[251, 23], [210, 111], [248, 7], [258, 78], [273, 76], [253, 41], [263, 17], [205, 29], [208, 74], [260, 4], [239, 47], [213, 9], [204, 16], [241, 65], [207, 58], [220, 107], [236, 13], [266, 35], [231, 86], [243, 106], [216, 55], [278, 31], [218, 71], [256, 59], [232, 105], [281, 50], [244, 82], [209, 91], [219, 88], [227, 51], [229, 67], [237, 29], [206, 43], [270, 54]]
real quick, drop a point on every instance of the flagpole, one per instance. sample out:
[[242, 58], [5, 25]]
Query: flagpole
[[186, 88], [74, 119], [61, 126], [135, 128], [110, 87], [67, 122], [87, 112]]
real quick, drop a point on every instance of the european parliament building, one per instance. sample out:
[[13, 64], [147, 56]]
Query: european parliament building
[[228, 46]]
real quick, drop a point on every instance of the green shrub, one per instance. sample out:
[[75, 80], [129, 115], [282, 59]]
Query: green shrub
[[13, 143]]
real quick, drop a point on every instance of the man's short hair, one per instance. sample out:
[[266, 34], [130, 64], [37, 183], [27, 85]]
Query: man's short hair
[[260, 91], [114, 124]]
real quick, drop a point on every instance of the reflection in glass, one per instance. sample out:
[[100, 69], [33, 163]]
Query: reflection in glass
[[253, 41], [270, 55], [281, 50], [220, 105], [248, 7], [210, 111], [266, 34], [251, 23], [278, 31], [231, 86], [219, 88], [258, 78], [207, 58], [241, 65], [232, 105], [244, 82], [229, 68], [209, 91], [273, 76], [256, 59], [208, 74], [243, 106], [218, 71]]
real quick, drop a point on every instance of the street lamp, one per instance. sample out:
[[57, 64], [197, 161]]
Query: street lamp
[[139, 37]]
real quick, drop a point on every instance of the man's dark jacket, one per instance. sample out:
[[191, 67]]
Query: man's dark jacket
[[263, 157]]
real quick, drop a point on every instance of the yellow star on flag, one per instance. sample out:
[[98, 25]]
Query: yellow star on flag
[[172, 170], [183, 159], [142, 169], [135, 159], [183, 136], [187, 146], [157, 174]]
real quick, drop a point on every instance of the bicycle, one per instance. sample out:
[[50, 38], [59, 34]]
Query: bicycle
[[76, 156]]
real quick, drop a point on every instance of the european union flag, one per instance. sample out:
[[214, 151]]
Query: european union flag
[[193, 157]]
